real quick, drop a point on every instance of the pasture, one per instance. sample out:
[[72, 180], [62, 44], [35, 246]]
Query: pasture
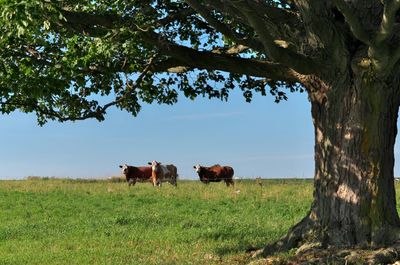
[[61, 221]]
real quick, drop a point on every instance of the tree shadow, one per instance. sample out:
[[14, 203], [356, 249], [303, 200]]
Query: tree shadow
[[236, 249]]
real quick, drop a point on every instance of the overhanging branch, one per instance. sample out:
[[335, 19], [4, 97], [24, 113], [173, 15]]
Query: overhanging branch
[[130, 87], [269, 70], [187, 57], [98, 113]]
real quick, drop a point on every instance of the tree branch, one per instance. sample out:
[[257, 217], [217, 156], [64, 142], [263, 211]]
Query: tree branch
[[86, 23], [88, 19], [395, 57], [273, 71], [189, 57], [287, 23], [215, 60], [276, 49], [323, 32], [390, 9], [98, 113], [233, 50], [221, 27], [176, 16], [355, 24], [129, 87], [277, 15]]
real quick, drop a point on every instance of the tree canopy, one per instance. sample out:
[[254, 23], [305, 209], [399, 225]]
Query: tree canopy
[[57, 55]]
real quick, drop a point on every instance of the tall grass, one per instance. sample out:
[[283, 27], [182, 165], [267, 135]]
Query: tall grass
[[57, 221]]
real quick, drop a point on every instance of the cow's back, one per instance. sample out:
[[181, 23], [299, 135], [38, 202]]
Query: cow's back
[[173, 171], [142, 173], [222, 172], [213, 173], [216, 170]]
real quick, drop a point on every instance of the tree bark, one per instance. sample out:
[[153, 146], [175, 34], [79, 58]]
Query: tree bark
[[355, 121], [355, 131]]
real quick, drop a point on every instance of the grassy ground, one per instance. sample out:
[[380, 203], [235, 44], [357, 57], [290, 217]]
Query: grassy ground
[[99, 222]]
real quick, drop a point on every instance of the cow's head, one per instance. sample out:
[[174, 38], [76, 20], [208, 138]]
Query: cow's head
[[155, 166], [197, 168], [124, 169]]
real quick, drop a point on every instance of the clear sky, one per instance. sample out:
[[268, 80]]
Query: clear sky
[[258, 139]]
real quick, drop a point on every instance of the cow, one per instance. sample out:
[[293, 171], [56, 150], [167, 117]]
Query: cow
[[164, 173], [137, 174], [215, 173]]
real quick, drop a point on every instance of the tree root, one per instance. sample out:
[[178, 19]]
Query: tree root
[[332, 255], [312, 247], [293, 239]]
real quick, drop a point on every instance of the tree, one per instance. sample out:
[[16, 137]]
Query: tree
[[56, 55]]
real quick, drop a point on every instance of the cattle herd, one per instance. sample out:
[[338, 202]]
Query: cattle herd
[[157, 173]]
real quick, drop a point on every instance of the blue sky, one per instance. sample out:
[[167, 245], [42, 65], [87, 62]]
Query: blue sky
[[258, 139]]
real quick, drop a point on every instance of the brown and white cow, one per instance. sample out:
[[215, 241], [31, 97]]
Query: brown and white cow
[[164, 173], [137, 174], [215, 173]]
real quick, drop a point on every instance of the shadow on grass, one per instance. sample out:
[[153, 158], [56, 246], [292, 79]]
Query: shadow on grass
[[238, 244], [241, 248]]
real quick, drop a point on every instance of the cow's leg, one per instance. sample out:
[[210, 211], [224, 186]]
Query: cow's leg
[[230, 182], [131, 182]]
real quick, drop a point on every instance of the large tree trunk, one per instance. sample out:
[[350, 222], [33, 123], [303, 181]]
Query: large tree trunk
[[355, 120], [355, 130]]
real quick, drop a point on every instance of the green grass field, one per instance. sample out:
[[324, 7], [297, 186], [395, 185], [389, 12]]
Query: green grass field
[[100, 222]]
